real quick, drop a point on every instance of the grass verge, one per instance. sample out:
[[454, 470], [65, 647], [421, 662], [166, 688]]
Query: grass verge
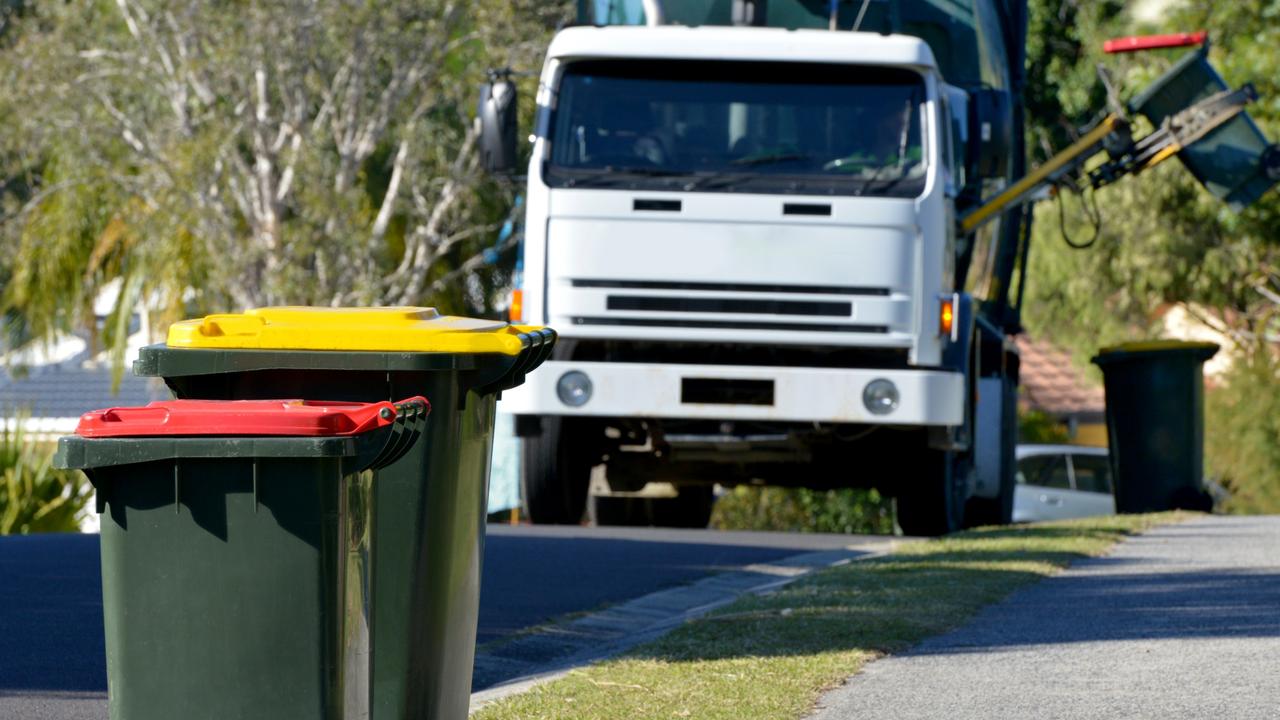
[[771, 656]]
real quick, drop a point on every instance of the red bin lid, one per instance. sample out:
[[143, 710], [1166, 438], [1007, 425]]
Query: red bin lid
[[241, 417]]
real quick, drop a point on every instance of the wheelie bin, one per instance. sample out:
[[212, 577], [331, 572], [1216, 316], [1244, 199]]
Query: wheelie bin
[[1234, 161], [235, 552], [1155, 424], [430, 505]]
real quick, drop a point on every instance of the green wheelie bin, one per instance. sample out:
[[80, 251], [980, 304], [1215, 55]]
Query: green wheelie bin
[[430, 505], [1234, 161], [1155, 424], [236, 541]]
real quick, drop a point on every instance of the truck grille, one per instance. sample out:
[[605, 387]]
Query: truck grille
[[733, 306], [731, 324], [730, 287], [727, 305]]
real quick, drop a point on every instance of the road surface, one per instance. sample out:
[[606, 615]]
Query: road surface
[[51, 646]]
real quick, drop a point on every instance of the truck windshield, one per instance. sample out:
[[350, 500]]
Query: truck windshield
[[739, 127]]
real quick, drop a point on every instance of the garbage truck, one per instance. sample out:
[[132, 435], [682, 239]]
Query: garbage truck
[[778, 240]]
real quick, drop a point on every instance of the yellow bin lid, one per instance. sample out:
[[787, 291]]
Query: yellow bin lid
[[388, 329]]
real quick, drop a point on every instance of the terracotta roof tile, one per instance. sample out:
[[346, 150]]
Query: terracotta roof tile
[[1052, 384]]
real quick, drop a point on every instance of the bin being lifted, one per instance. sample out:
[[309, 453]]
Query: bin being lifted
[[236, 545], [1197, 118]]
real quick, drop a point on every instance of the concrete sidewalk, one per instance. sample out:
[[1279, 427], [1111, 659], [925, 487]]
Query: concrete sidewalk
[[1182, 622]]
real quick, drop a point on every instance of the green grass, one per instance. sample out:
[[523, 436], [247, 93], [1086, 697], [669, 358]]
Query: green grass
[[771, 656]]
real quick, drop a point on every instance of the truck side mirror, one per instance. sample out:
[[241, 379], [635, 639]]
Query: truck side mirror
[[990, 133], [498, 124]]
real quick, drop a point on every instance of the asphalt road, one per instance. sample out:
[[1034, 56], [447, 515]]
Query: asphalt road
[[51, 646], [1181, 622], [534, 574]]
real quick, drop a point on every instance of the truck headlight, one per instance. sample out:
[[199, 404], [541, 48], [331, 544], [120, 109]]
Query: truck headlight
[[574, 388], [880, 396]]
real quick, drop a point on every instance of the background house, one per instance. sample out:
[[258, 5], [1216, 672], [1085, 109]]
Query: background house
[[1053, 385]]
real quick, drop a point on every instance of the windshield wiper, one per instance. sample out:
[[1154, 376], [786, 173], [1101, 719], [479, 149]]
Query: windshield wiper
[[610, 175], [642, 171], [770, 159], [724, 178], [904, 173], [719, 179]]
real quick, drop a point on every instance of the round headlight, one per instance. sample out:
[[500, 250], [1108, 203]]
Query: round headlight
[[574, 388], [880, 396]]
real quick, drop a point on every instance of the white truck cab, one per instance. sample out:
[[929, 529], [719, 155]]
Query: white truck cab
[[745, 238]]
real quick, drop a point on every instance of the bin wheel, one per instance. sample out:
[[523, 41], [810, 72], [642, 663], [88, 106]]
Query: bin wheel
[[556, 471], [690, 509], [931, 501]]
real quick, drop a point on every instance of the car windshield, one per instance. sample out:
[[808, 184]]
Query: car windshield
[[739, 127]]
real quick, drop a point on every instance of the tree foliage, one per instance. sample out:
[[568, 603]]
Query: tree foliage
[[34, 496], [212, 157]]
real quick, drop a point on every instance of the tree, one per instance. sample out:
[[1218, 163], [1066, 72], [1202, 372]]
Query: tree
[[212, 157]]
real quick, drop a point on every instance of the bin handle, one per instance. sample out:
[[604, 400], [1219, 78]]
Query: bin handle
[[410, 418], [537, 343]]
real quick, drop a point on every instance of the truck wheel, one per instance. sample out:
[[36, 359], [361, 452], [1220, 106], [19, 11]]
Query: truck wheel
[[556, 471], [931, 500], [690, 509]]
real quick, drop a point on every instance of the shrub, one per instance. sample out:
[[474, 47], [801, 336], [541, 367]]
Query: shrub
[[847, 511], [34, 496], [1035, 426], [1242, 434]]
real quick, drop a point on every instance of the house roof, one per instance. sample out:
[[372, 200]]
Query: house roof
[[1051, 382], [53, 395]]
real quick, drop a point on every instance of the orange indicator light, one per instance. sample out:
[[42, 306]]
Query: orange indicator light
[[515, 312], [947, 318]]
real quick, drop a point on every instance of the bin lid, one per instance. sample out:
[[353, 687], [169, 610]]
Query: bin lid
[[1204, 350], [242, 417], [400, 329]]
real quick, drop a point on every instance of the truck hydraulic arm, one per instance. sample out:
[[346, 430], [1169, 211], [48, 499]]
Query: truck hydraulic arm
[[1175, 133]]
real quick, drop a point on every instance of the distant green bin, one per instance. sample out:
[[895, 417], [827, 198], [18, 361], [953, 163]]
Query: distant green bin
[[235, 567], [428, 525], [1155, 424]]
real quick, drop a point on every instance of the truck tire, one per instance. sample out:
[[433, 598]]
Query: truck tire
[[931, 501], [690, 509], [555, 471]]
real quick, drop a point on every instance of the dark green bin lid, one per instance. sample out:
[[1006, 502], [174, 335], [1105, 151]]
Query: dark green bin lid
[[488, 372], [1153, 350]]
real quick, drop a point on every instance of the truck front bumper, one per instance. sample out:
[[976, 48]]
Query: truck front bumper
[[641, 390]]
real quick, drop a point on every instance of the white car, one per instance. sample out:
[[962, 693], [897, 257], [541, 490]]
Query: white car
[[1056, 482]]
